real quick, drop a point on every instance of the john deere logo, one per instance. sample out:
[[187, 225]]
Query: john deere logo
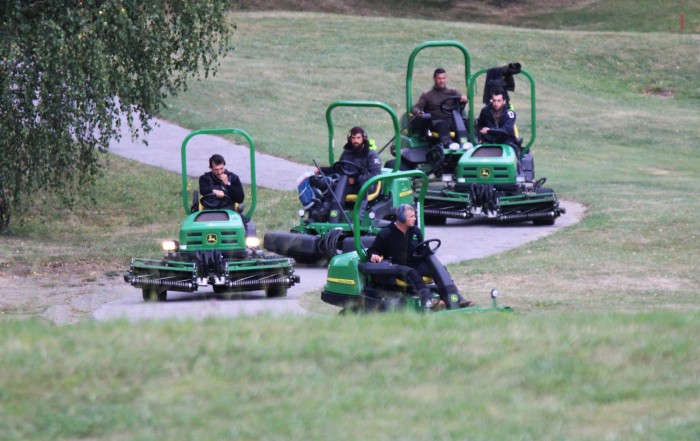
[[211, 238], [334, 213], [485, 173], [453, 298]]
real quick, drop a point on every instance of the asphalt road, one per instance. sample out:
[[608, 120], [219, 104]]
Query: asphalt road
[[461, 240]]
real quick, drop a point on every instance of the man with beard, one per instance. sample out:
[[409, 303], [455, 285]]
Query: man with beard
[[367, 164]]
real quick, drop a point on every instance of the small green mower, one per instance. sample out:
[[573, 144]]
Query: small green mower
[[357, 285], [314, 240], [492, 179], [216, 247]]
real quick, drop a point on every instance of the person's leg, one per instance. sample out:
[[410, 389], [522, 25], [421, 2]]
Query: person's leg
[[442, 127], [446, 286], [413, 277]]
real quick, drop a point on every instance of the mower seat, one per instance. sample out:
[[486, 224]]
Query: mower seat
[[370, 196], [385, 273]]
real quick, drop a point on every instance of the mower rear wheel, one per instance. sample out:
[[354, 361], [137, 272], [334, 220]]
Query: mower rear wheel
[[431, 219], [276, 291], [154, 295]]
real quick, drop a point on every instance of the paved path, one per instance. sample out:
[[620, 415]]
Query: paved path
[[165, 143], [459, 242]]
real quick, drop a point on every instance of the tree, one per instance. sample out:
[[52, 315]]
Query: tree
[[69, 70]]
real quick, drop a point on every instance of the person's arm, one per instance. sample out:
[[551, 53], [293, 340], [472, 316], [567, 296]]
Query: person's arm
[[482, 122], [206, 184], [509, 123], [375, 253], [235, 188], [420, 105], [374, 168]]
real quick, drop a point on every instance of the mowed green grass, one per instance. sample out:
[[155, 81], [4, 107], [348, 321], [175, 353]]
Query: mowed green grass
[[602, 345], [578, 376]]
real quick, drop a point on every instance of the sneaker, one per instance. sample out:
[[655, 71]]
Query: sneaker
[[434, 305], [438, 305], [464, 303]]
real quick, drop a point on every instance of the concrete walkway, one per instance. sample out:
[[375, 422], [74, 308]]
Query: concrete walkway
[[165, 144]]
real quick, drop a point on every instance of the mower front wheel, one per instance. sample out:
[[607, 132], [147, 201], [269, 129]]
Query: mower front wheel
[[276, 291], [154, 295]]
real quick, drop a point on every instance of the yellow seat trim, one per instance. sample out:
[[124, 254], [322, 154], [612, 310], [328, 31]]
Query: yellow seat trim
[[403, 284], [437, 136], [201, 207], [370, 197]]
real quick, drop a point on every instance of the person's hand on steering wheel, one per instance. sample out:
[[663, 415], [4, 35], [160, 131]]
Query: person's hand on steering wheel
[[348, 168], [426, 248], [453, 102]]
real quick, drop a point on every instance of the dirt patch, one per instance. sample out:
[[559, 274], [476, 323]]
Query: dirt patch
[[665, 93], [63, 295]]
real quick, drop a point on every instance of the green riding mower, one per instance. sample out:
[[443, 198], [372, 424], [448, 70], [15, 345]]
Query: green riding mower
[[318, 237], [493, 178], [358, 285], [216, 247]]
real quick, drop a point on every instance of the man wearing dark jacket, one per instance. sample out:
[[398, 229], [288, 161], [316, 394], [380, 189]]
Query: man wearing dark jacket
[[429, 102], [220, 188], [397, 243], [357, 151], [497, 115]]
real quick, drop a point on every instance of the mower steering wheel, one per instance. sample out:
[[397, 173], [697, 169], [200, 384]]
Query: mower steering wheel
[[451, 103], [425, 248], [496, 136], [349, 169]]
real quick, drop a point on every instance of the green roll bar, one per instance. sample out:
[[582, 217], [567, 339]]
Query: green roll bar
[[388, 177], [467, 74], [251, 148], [533, 112], [375, 104]]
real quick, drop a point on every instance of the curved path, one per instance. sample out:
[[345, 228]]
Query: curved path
[[459, 242]]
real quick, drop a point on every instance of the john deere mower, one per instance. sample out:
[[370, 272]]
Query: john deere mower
[[216, 247], [317, 239], [493, 179], [358, 285]]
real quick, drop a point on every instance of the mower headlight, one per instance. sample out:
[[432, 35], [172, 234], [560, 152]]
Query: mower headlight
[[170, 246], [301, 213], [252, 242], [495, 293]]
